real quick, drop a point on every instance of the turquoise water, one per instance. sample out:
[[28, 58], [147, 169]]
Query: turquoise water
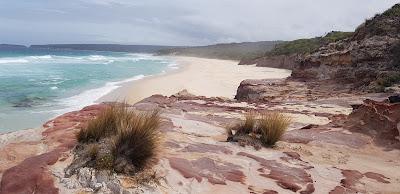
[[36, 85]]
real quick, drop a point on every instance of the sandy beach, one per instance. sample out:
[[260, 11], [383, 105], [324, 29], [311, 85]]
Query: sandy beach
[[200, 76]]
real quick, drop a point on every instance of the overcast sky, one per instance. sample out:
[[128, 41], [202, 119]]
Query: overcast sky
[[178, 22]]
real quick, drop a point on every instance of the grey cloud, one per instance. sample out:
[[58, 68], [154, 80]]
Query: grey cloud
[[178, 22]]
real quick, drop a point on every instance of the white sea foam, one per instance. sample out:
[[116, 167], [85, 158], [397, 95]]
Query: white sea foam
[[13, 60], [173, 66], [41, 57], [89, 97], [90, 59], [97, 58]]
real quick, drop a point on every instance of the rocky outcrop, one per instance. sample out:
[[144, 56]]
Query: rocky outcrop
[[280, 61], [195, 158], [274, 90], [381, 120], [366, 61], [269, 90]]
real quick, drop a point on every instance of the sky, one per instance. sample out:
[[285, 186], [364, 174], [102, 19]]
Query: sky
[[178, 22]]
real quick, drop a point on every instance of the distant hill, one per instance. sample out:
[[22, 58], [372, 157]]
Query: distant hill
[[105, 47], [231, 51], [11, 46]]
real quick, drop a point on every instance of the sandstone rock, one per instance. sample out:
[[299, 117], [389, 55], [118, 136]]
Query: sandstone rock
[[271, 90], [377, 119], [184, 94], [114, 187], [86, 178], [70, 183], [103, 176], [193, 162]]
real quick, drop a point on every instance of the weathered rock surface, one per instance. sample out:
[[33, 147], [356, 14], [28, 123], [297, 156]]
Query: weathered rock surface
[[271, 90], [319, 153], [32, 174], [381, 120]]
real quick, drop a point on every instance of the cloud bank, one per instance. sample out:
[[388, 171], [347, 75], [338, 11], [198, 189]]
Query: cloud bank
[[178, 22]]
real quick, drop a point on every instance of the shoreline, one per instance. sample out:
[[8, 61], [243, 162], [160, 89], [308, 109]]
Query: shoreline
[[34, 117], [199, 76]]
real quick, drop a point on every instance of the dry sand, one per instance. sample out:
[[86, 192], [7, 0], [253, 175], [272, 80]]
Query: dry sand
[[206, 77]]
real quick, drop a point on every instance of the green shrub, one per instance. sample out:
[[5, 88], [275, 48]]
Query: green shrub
[[299, 46], [335, 36], [393, 12], [272, 126], [304, 46], [388, 79]]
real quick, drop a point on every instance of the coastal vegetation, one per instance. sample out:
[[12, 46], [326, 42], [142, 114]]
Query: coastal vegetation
[[120, 140], [387, 80], [304, 46], [272, 126], [393, 12], [258, 129], [246, 127]]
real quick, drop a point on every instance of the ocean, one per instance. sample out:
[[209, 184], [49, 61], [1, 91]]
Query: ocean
[[39, 84]]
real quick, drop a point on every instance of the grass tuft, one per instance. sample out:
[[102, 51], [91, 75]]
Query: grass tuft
[[104, 125], [272, 126], [248, 125], [93, 150], [138, 138], [259, 129], [120, 139]]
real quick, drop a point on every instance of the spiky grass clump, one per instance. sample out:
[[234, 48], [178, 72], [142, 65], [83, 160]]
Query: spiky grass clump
[[259, 129], [272, 126], [104, 125], [138, 138], [247, 126], [120, 139]]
